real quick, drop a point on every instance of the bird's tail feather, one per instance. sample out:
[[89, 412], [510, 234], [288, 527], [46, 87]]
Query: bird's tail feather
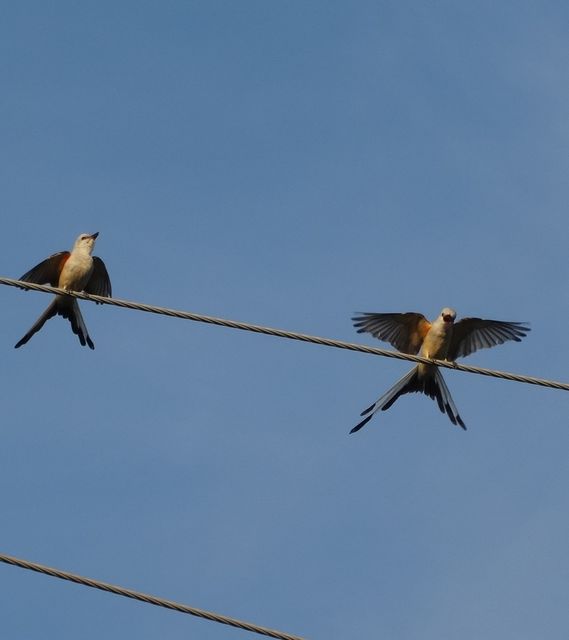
[[72, 312], [433, 386], [51, 311], [445, 401]]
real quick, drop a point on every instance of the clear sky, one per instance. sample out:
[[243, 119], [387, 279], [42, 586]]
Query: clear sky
[[289, 164]]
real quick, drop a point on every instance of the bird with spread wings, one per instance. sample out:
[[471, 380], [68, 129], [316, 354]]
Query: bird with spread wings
[[442, 339], [75, 270]]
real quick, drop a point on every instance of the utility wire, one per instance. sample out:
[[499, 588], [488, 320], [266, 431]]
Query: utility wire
[[144, 597], [280, 333]]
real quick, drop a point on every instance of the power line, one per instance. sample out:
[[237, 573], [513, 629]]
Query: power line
[[291, 335], [144, 597]]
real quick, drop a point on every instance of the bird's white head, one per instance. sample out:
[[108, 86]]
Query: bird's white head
[[448, 315], [85, 242]]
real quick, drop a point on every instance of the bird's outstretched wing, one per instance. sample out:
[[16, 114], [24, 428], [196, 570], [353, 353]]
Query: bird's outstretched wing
[[47, 272], [99, 283], [471, 334], [404, 331]]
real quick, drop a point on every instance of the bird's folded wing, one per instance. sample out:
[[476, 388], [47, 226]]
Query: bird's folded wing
[[47, 272], [99, 283], [471, 334], [405, 331]]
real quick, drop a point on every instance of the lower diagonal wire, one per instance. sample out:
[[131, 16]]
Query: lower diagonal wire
[[144, 597]]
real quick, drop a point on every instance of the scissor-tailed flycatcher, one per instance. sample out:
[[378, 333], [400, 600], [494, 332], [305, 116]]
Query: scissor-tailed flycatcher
[[75, 271], [441, 339]]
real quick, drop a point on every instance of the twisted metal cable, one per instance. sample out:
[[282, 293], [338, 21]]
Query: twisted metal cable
[[144, 597], [291, 335]]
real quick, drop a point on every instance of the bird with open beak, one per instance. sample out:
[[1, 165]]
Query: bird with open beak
[[75, 270], [442, 339]]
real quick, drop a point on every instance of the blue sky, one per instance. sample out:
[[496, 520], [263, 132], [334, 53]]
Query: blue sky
[[285, 164]]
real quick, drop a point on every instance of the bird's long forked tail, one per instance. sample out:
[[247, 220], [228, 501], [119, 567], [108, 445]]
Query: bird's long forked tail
[[68, 308], [432, 385]]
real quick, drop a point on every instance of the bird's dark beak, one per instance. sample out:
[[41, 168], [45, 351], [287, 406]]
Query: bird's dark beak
[[94, 235], [448, 318]]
